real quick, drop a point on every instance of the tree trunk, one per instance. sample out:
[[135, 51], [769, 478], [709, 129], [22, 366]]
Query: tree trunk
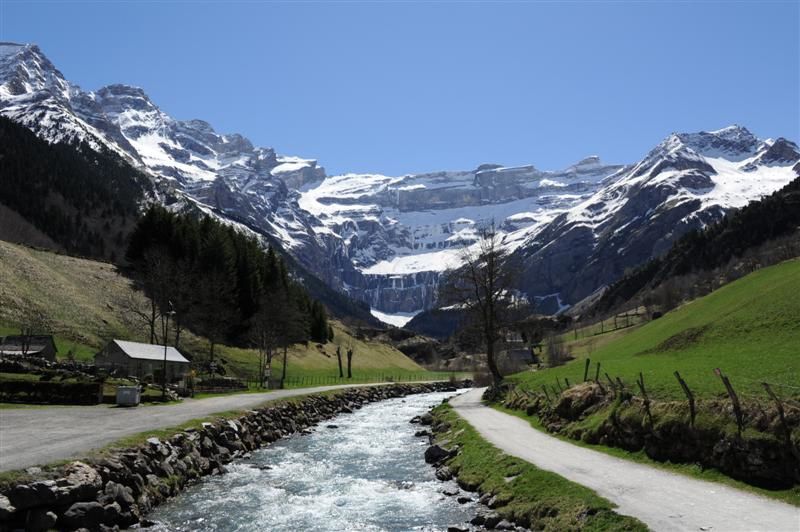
[[153, 311], [496, 377], [339, 358], [349, 364], [178, 330]]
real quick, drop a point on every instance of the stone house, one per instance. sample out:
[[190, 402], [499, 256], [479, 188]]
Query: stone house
[[140, 360], [39, 345]]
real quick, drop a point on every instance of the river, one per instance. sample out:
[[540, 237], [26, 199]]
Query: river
[[367, 474]]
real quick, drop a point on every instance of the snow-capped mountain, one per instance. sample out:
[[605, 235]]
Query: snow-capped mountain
[[386, 240], [224, 172], [401, 233], [684, 183]]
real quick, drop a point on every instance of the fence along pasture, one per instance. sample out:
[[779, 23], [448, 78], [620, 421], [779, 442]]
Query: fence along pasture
[[617, 386], [323, 380]]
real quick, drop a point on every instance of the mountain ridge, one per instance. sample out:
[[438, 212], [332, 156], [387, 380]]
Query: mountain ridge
[[386, 240]]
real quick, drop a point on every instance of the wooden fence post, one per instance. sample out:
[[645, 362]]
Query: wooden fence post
[[559, 386], [566, 381], [611, 382], [547, 395], [586, 369], [640, 382], [786, 431], [737, 409], [689, 396], [597, 374]]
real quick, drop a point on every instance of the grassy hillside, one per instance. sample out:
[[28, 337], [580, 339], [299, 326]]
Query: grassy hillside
[[750, 329], [86, 303]]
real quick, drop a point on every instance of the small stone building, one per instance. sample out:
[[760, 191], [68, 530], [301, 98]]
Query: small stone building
[[140, 360], [40, 346]]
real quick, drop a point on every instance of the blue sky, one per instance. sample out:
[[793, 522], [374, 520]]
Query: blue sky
[[409, 87]]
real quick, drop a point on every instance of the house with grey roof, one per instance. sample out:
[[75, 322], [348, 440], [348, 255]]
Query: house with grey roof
[[141, 360], [29, 345]]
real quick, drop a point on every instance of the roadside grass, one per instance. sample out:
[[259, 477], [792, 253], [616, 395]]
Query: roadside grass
[[750, 329], [531, 497], [790, 496]]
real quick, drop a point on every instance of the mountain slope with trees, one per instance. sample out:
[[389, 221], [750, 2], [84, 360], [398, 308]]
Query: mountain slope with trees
[[85, 201], [774, 218]]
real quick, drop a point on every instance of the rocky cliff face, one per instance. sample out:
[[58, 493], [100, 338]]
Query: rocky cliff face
[[386, 240]]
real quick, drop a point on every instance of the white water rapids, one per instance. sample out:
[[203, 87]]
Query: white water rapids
[[367, 474]]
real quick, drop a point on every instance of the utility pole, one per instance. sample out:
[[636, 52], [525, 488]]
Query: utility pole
[[165, 329]]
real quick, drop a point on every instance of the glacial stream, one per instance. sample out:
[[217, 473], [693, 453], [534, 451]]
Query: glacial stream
[[366, 474]]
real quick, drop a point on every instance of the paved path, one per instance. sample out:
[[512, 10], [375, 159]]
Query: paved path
[[35, 436], [662, 500]]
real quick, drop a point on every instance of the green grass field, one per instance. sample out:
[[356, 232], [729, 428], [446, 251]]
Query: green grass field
[[86, 303], [750, 329]]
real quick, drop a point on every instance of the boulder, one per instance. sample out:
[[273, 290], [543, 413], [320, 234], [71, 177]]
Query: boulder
[[6, 508], [122, 495], [491, 520], [435, 454], [39, 520], [505, 525], [24, 496], [81, 482], [83, 515], [444, 473]]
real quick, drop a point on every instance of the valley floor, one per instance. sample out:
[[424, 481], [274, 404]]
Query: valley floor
[[662, 500], [35, 436]]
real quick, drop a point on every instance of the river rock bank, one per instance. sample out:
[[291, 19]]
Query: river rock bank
[[119, 489]]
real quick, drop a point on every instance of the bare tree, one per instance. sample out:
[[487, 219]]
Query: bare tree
[[557, 353], [267, 332], [144, 311], [484, 286], [32, 322]]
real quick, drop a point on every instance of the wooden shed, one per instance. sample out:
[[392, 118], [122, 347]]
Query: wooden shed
[[140, 360]]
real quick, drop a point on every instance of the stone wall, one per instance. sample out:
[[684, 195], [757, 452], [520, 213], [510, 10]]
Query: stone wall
[[118, 490]]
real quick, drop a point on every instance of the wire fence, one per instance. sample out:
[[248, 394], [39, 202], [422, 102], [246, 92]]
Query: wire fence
[[788, 394], [305, 381]]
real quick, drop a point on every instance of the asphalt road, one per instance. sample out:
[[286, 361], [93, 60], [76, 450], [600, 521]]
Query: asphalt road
[[662, 500], [36, 436]]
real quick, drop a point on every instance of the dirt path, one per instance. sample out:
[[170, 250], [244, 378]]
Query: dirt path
[[662, 500], [34, 436]]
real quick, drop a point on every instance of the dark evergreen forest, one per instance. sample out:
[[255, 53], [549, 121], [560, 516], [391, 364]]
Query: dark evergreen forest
[[219, 282], [84, 200]]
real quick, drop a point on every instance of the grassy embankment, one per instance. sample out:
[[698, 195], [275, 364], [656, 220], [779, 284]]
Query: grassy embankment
[[86, 302], [529, 496], [750, 329]]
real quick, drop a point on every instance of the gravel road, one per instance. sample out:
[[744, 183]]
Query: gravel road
[[35, 436], [662, 500]]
